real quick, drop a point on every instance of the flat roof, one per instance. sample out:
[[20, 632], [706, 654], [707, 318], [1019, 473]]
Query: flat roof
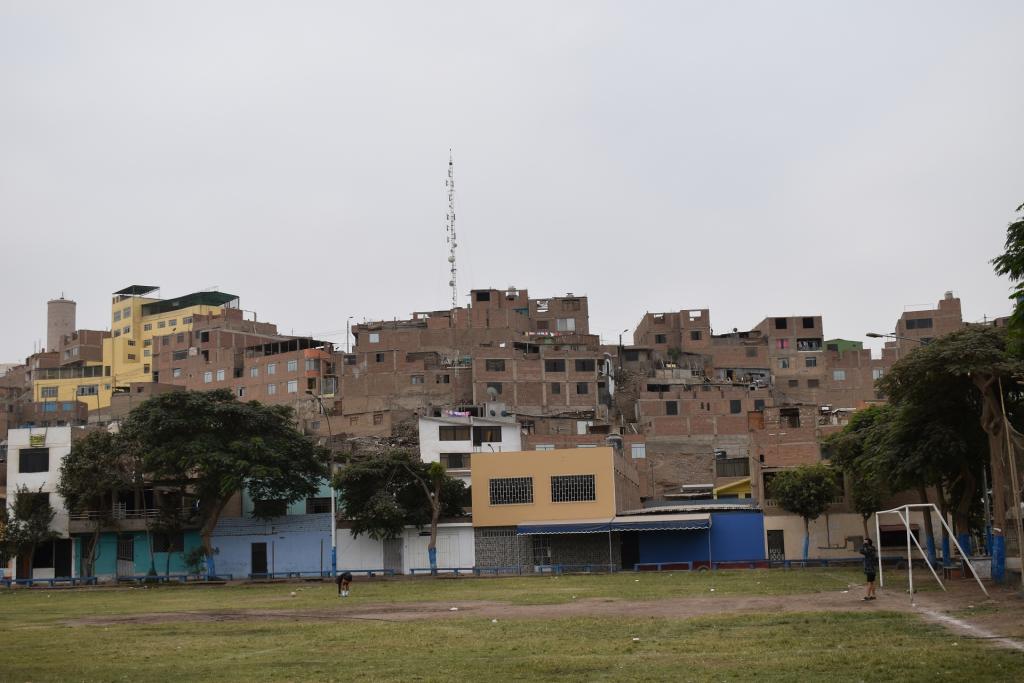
[[137, 290], [194, 299]]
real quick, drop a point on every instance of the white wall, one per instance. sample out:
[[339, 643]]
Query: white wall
[[58, 440], [359, 553], [455, 548], [431, 446], [830, 531]]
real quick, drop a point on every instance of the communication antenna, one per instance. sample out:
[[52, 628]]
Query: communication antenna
[[450, 227]]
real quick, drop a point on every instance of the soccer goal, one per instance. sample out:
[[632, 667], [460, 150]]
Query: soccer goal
[[903, 512]]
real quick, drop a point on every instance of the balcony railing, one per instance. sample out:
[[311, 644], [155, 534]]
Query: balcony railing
[[120, 513]]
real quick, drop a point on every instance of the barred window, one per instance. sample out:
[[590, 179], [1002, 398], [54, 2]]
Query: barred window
[[572, 488], [511, 490]]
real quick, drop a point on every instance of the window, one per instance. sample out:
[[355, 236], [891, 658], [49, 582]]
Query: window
[[808, 345], [735, 406], [494, 385], [661, 339], [88, 390], [876, 373], [811, 362], [180, 354], [839, 375], [161, 324], [573, 488], [374, 338], [146, 353], [554, 365], [631, 356], [117, 316], [207, 377], [265, 509], [782, 343], [416, 379], [271, 389], [180, 337], [789, 417], [453, 433], [780, 323], [671, 407], [293, 386], [482, 435], [566, 324], [241, 392], [639, 451], [483, 296], [187, 320], [254, 372], [220, 375], [783, 363], [131, 356], [556, 388], [147, 342], [758, 404], [117, 333], [442, 379], [148, 327], [455, 461], [293, 366], [131, 342], [586, 365], [378, 418], [49, 392], [318, 506], [494, 365], [582, 388], [813, 384], [919, 324], [544, 447], [204, 336], [511, 490], [793, 383], [271, 368], [695, 335], [312, 364], [176, 372], [168, 543], [379, 357], [751, 352], [33, 460], [165, 340], [808, 323]]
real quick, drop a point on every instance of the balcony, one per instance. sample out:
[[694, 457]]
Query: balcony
[[84, 521]]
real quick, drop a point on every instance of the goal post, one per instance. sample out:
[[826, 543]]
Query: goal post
[[903, 513]]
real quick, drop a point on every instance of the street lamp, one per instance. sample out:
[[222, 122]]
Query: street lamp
[[620, 336], [334, 494]]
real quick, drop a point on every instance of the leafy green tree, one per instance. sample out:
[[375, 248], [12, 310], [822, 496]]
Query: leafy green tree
[[210, 444], [1011, 263], [381, 494], [866, 473], [91, 476], [26, 525], [807, 491]]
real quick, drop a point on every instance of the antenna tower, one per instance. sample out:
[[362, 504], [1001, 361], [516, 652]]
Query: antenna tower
[[450, 228]]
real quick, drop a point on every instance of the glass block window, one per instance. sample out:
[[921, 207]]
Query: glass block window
[[511, 490], [573, 488]]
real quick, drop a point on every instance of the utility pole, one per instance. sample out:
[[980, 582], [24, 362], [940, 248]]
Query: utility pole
[[450, 227]]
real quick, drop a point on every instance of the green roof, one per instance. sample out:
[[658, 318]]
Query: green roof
[[137, 290], [195, 299]]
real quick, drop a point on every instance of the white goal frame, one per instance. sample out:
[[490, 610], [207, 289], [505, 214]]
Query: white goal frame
[[903, 512]]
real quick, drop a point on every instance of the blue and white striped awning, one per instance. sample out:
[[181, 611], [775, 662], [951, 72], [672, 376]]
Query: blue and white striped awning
[[678, 522]]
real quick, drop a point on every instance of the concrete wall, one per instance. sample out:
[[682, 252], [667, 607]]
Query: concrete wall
[[106, 555], [830, 534], [735, 536], [299, 543], [455, 549]]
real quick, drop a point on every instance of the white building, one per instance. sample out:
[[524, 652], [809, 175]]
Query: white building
[[455, 550], [453, 438], [34, 456]]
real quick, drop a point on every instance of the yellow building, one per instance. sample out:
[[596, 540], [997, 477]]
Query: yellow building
[[137, 320], [511, 488]]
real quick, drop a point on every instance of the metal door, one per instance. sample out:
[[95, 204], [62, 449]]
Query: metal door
[[393, 555], [259, 558], [126, 556], [776, 545]]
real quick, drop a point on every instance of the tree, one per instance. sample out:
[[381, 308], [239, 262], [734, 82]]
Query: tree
[[1011, 263], [381, 494], [807, 491], [91, 476], [26, 525], [211, 445], [865, 472]]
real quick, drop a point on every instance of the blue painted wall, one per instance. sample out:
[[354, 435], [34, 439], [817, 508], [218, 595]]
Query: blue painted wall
[[734, 536], [296, 543]]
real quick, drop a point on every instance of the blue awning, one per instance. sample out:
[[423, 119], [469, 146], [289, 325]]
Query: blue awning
[[538, 528], [686, 522]]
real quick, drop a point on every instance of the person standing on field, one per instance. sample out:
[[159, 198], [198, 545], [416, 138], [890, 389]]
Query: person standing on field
[[870, 554], [344, 581]]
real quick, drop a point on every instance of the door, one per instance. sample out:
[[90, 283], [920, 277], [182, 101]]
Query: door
[[62, 557], [541, 551], [126, 556], [259, 558], [630, 549], [776, 545], [393, 555]]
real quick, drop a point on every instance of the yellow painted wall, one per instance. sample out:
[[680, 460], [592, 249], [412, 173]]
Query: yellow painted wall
[[542, 465]]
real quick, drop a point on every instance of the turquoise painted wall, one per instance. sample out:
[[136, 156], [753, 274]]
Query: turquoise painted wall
[[296, 508], [106, 558]]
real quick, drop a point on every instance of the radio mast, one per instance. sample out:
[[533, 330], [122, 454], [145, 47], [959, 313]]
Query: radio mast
[[450, 228]]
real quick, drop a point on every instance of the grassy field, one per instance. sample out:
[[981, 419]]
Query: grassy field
[[39, 643]]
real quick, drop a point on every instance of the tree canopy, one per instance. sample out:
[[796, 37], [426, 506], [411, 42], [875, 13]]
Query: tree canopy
[[1011, 263], [806, 490]]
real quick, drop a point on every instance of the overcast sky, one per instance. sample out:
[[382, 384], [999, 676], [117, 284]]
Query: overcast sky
[[756, 158]]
